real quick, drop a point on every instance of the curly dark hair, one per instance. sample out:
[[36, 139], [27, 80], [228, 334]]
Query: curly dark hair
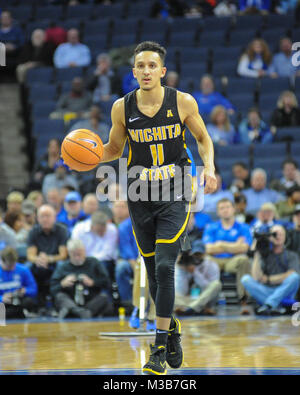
[[153, 47]]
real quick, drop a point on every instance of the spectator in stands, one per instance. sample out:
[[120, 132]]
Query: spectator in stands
[[56, 34], [167, 8], [259, 194], [12, 37], [273, 277], [172, 79], [14, 202], [286, 207], [78, 284], [35, 53], [16, 223], [55, 199], [105, 82], [240, 205], [241, 177], [7, 235], [282, 65], [17, 285], [78, 101], [100, 239], [291, 176], [253, 129], [287, 112], [293, 239], [94, 123], [220, 129], [207, 98], [266, 217], [129, 83], [201, 273], [120, 211], [46, 246], [73, 53], [90, 204], [29, 213], [73, 212], [37, 198], [228, 242], [46, 164], [255, 61], [211, 200], [254, 7], [225, 8], [59, 178]]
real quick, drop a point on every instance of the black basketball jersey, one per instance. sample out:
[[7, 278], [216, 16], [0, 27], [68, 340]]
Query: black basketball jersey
[[155, 143]]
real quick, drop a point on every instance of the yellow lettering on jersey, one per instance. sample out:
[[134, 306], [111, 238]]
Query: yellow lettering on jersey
[[170, 131], [165, 172], [158, 175], [169, 114], [134, 134], [151, 171], [141, 135], [147, 135], [143, 175], [177, 130], [164, 135], [171, 169], [156, 132]]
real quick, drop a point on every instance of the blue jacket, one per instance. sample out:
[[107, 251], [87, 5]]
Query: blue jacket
[[18, 278], [14, 36], [207, 102], [127, 244]]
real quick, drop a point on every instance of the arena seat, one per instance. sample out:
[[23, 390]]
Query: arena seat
[[212, 38], [242, 37], [95, 28], [42, 109], [225, 68], [104, 11], [68, 73], [48, 127], [216, 24], [139, 10], [38, 91], [81, 11], [49, 12], [238, 85], [183, 25], [22, 13], [273, 150], [247, 22], [237, 152], [268, 101], [193, 55], [288, 134], [123, 40], [274, 86], [242, 101], [295, 150], [192, 70], [40, 74]]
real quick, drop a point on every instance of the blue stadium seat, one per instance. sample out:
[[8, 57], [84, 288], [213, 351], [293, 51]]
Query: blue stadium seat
[[212, 38], [139, 10], [22, 13], [68, 73], [275, 21], [158, 36], [295, 150], [223, 53], [64, 87], [43, 75], [96, 28], [186, 85], [225, 164], [241, 37], [241, 85], [296, 34], [269, 164], [48, 127], [247, 22], [193, 55], [153, 26], [82, 11], [49, 12], [73, 23], [96, 43], [31, 26], [213, 23], [183, 25], [127, 26], [43, 109], [106, 106], [268, 101], [242, 101], [192, 70], [173, 54], [38, 91], [272, 36], [274, 86], [182, 39], [227, 68], [273, 150], [123, 40], [237, 152], [287, 133], [108, 11], [226, 178]]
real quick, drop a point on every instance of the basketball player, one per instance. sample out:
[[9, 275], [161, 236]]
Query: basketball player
[[152, 120]]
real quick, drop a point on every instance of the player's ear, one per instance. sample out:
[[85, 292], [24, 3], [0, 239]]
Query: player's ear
[[163, 72], [133, 72]]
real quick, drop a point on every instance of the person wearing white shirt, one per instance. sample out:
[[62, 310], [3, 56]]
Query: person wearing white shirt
[[100, 239], [72, 53]]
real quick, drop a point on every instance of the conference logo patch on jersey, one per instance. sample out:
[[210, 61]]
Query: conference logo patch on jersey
[[169, 114], [90, 141]]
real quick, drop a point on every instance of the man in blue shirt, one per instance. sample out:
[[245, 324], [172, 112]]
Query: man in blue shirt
[[282, 65], [73, 212], [17, 285], [228, 241]]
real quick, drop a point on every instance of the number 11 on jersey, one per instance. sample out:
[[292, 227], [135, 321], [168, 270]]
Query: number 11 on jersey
[[157, 152]]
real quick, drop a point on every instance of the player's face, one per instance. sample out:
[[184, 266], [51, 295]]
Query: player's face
[[148, 69]]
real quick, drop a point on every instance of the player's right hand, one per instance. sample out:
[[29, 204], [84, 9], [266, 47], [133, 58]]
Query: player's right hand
[[208, 179]]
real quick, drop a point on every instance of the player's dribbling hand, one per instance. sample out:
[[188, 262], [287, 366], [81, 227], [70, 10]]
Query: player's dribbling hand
[[208, 179]]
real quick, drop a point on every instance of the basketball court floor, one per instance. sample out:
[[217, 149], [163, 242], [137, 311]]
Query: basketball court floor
[[227, 344]]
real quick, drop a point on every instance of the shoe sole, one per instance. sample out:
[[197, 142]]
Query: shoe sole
[[153, 372]]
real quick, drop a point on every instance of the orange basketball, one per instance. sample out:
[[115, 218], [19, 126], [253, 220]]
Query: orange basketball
[[82, 150]]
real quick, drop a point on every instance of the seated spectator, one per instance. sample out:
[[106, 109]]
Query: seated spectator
[[36, 197], [77, 285], [259, 194], [12, 37], [286, 6], [282, 65], [228, 242], [291, 176], [172, 79], [59, 178], [293, 238], [90, 204], [266, 217], [167, 8], [255, 61], [16, 223], [207, 98], [211, 200], [46, 163], [129, 83], [253, 129], [105, 83], [200, 272], [274, 277], [100, 239], [73, 212], [225, 8], [56, 35], [14, 202], [220, 129], [248, 7], [241, 178], [46, 246], [7, 235], [35, 53], [240, 205], [78, 102], [200, 221], [72, 53], [287, 112], [17, 285], [94, 123], [55, 199], [286, 208], [29, 213]]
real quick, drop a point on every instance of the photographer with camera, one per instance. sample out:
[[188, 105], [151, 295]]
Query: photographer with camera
[[275, 272], [293, 242], [195, 267], [17, 285], [78, 284]]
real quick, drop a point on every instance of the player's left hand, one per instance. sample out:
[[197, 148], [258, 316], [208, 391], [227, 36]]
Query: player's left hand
[[208, 179]]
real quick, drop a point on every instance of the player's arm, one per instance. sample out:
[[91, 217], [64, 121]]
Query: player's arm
[[117, 138], [189, 114]]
